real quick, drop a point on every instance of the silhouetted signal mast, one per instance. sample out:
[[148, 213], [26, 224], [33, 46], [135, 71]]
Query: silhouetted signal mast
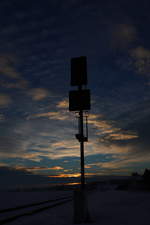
[[79, 101]]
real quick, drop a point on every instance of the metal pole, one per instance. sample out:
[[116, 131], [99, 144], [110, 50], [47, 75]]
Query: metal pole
[[87, 127], [81, 132], [82, 149]]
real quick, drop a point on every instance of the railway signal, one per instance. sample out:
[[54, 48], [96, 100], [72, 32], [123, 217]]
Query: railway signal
[[79, 101]]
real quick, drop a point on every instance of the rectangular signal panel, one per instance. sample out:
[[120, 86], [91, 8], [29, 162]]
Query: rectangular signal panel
[[79, 71], [79, 100]]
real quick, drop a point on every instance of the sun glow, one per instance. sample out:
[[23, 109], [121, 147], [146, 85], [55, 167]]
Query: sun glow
[[70, 175], [66, 175], [75, 183]]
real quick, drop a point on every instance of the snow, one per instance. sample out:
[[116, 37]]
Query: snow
[[13, 199], [120, 207], [110, 207]]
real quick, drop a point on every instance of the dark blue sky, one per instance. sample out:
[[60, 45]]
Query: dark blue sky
[[37, 41]]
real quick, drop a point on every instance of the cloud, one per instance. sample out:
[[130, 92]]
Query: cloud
[[71, 148], [38, 94], [123, 35], [87, 166], [140, 59], [96, 147], [5, 100], [98, 121], [66, 175], [7, 66], [133, 139], [63, 104], [65, 144], [3, 164], [10, 78], [109, 130], [24, 140], [122, 136], [19, 84], [124, 162], [56, 168], [37, 168], [51, 115], [59, 149], [17, 145], [11, 144], [102, 125], [118, 138], [127, 135], [66, 148], [94, 116], [30, 169]]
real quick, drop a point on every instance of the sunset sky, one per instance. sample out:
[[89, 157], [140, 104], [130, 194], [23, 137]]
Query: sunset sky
[[37, 41]]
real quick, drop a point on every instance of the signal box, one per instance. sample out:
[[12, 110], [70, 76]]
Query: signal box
[[79, 100], [79, 71]]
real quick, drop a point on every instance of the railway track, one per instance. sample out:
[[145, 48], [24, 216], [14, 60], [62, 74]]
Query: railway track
[[30, 209]]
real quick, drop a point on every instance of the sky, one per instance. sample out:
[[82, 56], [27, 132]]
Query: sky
[[37, 41]]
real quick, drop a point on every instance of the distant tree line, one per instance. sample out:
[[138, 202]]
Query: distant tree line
[[145, 176]]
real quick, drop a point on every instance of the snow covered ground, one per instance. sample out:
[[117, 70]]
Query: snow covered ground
[[12, 199], [109, 207]]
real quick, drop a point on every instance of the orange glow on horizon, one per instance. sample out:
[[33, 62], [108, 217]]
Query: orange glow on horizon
[[66, 175], [70, 175], [75, 183]]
